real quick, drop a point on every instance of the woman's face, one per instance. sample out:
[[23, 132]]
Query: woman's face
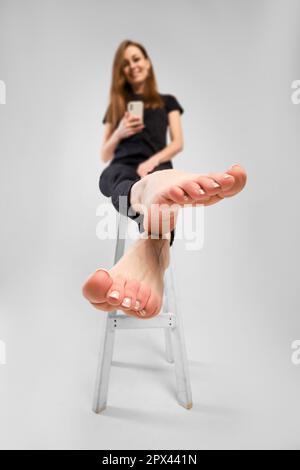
[[135, 67]]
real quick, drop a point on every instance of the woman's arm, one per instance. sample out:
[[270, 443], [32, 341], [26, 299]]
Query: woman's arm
[[176, 135], [110, 141], [166, 154], [128, 126]]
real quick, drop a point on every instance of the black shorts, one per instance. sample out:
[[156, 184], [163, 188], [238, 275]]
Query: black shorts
[[117, 179]]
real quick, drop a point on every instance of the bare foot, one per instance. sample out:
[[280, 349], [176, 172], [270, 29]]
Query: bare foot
[[154, 194], [135, 283]]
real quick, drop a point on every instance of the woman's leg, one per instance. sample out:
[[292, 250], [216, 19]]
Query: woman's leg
[[116, 182], [135, 283]]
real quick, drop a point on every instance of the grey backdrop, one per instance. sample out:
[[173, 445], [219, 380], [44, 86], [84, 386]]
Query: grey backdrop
[[230, 64]]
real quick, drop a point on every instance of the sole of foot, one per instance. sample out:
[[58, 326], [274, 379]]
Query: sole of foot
[[160, 195]]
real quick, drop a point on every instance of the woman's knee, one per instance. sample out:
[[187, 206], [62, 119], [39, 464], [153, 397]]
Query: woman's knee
[[164, 166], [104, 186], [108, 178]]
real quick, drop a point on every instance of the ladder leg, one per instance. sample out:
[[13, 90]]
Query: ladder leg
[[169, 349], [102, 378], [183, 384], [168, 339]]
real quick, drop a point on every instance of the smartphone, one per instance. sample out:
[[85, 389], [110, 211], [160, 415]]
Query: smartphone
[[136, 108]]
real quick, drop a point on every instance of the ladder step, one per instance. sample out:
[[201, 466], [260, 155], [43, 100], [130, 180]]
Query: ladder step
[[123, 321]]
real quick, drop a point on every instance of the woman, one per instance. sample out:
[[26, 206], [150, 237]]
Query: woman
[[141, 174]]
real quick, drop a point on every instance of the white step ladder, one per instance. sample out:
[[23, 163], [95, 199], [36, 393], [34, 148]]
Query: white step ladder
[[169, 318]]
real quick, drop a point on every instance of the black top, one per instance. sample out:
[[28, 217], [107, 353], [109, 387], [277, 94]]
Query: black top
[[152, 138]]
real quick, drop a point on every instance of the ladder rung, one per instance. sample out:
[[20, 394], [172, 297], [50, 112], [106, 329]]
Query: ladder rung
[[163, 320]]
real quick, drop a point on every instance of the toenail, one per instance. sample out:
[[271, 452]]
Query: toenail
[[201, 191], [215, 185], [227, 176], [142, 313], [114, 294], [103, 270], [126, 302], [137, 304]]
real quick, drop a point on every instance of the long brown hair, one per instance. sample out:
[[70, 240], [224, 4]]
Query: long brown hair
[[120, 89]]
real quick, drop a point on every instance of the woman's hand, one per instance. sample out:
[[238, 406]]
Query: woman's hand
[[129, 125], [146, 167]]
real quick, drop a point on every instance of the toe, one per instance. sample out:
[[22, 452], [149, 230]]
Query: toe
[[115, 294], [96, 286], [193, 190], [208, 185], [153, 305], [142, 296], [239, 177], [130, 292], [213, 199], [176, 194], [225, 180]]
